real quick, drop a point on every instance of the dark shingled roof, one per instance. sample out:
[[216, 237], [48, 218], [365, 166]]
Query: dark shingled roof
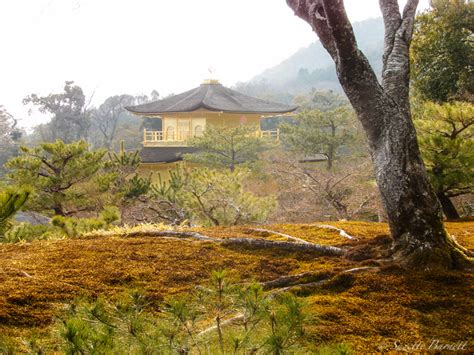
[[164, 154], [213, 97]]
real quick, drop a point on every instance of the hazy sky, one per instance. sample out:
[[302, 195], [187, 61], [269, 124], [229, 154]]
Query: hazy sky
[[134, 46]]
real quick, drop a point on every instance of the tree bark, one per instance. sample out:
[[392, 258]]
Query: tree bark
[[448, 207], [59, 211], [414, 213]]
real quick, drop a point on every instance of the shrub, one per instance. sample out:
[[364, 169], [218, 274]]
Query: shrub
[[73, 227], [220, 317], [213, 197], [57, 172], [228, 147], [11, 201], [137, 186], [27, 232]]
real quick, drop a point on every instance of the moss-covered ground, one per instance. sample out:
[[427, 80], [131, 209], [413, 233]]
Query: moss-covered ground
[[369, 310]]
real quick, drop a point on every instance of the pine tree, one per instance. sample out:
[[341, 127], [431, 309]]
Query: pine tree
[[55, 170], [317, 132], [227, 147], [11, 201], [446, 133], [442, 52]]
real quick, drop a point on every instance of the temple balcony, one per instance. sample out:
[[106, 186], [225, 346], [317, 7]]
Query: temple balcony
[[179, 139]]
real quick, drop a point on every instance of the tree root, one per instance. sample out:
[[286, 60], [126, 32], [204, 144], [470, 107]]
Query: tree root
[[308, 278], [232, 320], [359, 270], [304, 247], [287, 236], [309, 281], [442, 253], [172, 234], [21, 272], [297, 279], [303, 282], [246, 242], [342, 232], [301, 287]]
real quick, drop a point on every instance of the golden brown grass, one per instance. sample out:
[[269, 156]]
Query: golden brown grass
[[366, 310]]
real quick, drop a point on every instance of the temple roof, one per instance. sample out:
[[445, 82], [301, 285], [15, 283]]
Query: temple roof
[[214, 97]]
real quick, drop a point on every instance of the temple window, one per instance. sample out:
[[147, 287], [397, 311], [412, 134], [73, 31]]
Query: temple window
[[198, 131]]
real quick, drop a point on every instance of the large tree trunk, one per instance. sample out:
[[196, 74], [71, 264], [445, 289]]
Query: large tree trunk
[[448, 207], [413, 211]]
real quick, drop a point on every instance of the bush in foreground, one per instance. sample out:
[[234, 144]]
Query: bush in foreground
[[220, 317]]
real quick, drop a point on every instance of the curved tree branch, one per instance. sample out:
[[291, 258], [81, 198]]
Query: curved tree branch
[[409, 13], [312, 11], [342, 32], [392, 21], [398, 34]]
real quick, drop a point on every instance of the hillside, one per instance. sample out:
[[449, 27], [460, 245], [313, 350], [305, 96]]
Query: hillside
[[370, 308], [312, 67]]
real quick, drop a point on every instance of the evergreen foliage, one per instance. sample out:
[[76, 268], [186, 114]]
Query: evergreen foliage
[[169, 189], [74, 227], [11, 201], [212, 197], [61, 227], [221, 317], [443, 52], [166, 191], [227, 147], [27, 232], [317, 132], [121, 166], [446, 133], [321, 100], [219, 198], [55, 170], [137, 186], [123, 161]]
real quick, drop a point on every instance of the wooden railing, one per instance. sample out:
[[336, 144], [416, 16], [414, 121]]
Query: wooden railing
[[274, 134], [160, 138]]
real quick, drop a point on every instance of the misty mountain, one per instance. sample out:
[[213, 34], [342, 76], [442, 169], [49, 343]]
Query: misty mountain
[[312, 67]]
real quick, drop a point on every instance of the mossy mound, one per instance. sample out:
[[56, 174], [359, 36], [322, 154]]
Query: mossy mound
[[369, 310]]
